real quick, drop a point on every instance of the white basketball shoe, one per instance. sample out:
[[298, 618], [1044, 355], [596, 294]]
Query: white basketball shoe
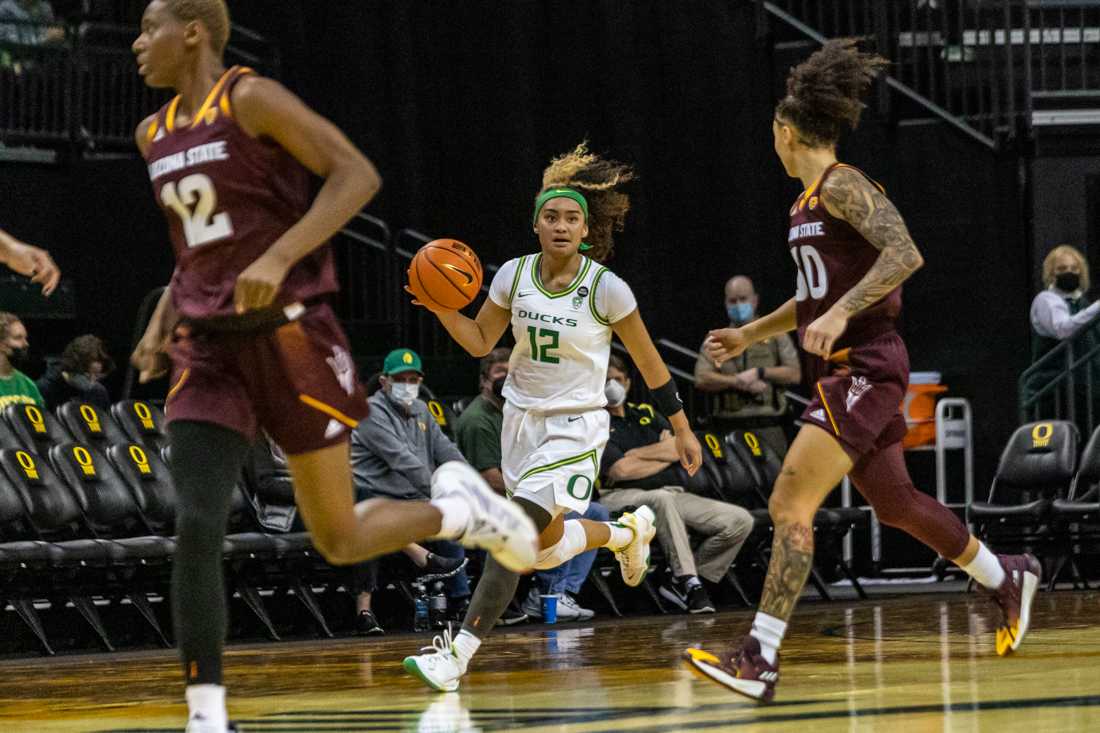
[[496, 525], [633, 557]]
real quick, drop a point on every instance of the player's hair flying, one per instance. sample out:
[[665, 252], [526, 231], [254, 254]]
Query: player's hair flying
[[598, 179], [825, 92], [211, 13]]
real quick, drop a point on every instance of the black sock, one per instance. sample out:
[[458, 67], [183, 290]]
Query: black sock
[[206, 464]]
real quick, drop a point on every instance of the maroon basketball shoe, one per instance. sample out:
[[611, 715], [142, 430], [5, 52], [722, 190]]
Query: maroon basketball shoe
[[1022, 575], [743, 669]]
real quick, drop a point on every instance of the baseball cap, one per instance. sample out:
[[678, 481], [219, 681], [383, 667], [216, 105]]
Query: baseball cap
[[402, 360]]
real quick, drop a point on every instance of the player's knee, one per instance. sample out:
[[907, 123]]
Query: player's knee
[[337, 549], [785, 507], [572, 543], [893, 513]]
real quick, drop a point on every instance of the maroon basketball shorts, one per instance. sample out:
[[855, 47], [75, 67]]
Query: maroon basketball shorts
[[857, 399], [296, 381]]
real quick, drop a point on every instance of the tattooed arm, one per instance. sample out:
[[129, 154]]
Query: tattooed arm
[[848, 195]]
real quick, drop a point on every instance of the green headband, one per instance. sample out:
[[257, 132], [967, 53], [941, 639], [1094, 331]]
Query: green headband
[[562, 193]]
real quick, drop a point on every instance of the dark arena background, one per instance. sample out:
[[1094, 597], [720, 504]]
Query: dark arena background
[[984, 133]]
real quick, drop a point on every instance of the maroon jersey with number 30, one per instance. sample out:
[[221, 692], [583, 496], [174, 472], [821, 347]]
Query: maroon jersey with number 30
[[228, 197], [832, 257]]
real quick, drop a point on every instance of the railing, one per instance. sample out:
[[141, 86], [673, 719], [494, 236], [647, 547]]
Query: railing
[[1068, 393], [79, 86], [980, 65]]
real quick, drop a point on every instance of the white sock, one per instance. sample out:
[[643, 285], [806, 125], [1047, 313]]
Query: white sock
[[985, 568], [691, 582], [207, 702], [456, 517], [465, 646], [769, 631], [620, 536]]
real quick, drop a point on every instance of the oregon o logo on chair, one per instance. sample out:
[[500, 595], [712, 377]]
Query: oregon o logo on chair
[[84, 458], [1040, 435], [137, 455], [714, 444], [91, 417], [28, 464], [437, 412], [572, 484], [144, 415], [38, 422], [753, 443]]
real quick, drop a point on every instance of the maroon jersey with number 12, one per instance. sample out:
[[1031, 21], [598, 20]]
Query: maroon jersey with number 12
[[228, 197]]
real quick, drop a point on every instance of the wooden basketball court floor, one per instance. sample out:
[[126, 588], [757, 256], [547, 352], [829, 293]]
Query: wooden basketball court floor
[[910, 663]]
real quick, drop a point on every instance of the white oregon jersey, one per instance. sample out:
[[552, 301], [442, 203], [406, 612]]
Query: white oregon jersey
[[563, 340]]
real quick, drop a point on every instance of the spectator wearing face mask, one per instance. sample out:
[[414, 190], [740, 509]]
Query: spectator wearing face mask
[[640, 467], [1064, 311], [77, 374], [749, 388], [16, 388], [395, 450]]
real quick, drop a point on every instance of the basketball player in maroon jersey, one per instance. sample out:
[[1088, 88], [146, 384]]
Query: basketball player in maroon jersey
[[852, 252], [254, 343]]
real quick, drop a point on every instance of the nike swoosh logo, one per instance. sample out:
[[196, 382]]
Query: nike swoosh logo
[[524, 293], [460, 271], [574, 419]]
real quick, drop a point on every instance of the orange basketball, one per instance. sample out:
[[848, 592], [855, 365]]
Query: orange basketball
[[446, 274]]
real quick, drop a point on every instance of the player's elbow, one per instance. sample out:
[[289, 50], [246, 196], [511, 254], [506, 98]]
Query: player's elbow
[[368, 178]]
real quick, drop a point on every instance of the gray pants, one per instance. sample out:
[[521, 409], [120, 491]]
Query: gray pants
[[724, 527]]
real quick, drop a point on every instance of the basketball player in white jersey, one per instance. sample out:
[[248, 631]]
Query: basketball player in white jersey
[[564, 307]]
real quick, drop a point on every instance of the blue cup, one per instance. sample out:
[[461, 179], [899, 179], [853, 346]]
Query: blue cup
[[549, 609]]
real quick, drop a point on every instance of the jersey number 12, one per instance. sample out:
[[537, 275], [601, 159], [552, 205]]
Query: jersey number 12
[[200, 224], [542, 351]]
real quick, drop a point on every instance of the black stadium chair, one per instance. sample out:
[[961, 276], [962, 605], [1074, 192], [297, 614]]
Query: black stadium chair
[[1077, 517], [143, 423], [111, 512], [247, 554], [90, 425], [78, 563], [1036, 468], [24, 563], [831, 524], [33, 429]]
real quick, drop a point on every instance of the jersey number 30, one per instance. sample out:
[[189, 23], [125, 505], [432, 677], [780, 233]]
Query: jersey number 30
[[194, 201], [813, 281]]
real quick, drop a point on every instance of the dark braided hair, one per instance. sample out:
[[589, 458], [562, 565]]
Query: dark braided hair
[[824, 92], [597, 178]]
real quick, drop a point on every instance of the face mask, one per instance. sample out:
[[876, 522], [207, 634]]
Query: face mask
[[18, 357], [405, 393], [615, 392], [1067, 282], [739, 312], [498, 387]]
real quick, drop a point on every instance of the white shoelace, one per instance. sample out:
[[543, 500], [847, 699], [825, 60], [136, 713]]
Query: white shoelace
[[441, 644]]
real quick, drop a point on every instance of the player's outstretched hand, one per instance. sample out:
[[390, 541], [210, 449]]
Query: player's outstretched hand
[[691, 453], [723, 344], [36, 264], [823, 333], [258, 285]]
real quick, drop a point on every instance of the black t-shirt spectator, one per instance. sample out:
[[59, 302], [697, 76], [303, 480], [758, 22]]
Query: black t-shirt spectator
[[56, 389], [640, 426]]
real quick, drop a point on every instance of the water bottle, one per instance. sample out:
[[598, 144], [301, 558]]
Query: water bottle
[[437, 606], [421, 620]]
